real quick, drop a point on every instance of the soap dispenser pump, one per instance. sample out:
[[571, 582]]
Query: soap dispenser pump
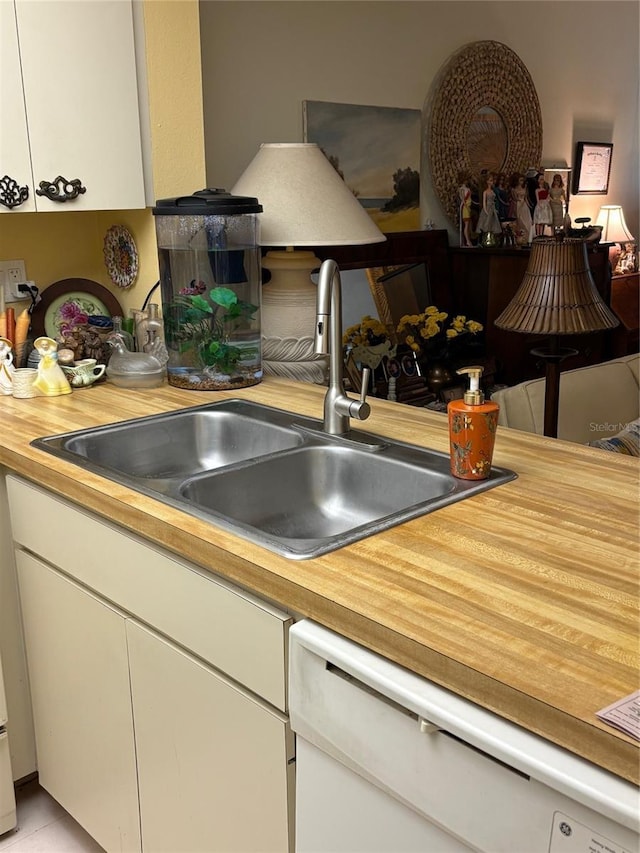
[[472, 430]]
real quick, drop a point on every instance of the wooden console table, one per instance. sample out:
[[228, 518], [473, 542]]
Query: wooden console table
[[625, 301]]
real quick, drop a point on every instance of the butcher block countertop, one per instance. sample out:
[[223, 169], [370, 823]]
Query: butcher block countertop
[[523, 599]]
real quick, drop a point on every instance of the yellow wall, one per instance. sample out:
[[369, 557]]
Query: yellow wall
[[62, 245], [65, 244], [174, 72]]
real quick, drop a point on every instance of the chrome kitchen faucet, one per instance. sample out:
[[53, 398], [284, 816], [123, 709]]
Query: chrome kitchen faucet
[[338, 407]]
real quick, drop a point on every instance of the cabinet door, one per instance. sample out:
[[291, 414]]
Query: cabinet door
[[7, 798], [80, 87], [15, 160], [78, 671], [213, 763]]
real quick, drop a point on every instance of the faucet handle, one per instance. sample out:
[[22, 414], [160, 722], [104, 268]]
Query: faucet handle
[[364, 385], [360, 409]]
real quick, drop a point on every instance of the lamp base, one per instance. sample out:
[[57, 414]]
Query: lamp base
[[553, 356], [288, 318], [293, 358]]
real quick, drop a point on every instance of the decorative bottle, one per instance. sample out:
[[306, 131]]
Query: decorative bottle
[[125, 336], [472, 430]]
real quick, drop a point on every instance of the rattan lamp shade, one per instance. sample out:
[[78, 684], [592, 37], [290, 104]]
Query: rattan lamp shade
[[558, 295]]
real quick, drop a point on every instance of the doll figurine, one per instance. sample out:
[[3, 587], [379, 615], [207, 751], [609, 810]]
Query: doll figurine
[[522, 208], [7, 368], [542, 215], [50, 380], [502, 197], [557, 200], [488, 222], [464, 194]]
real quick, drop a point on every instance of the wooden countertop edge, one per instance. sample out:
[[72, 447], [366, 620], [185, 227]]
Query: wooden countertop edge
[[607, 747]]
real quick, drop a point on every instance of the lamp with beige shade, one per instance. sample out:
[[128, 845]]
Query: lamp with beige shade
[[615, 230], [305, 203]]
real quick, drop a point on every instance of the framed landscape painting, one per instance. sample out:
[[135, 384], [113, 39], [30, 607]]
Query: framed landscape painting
[[376, 150]]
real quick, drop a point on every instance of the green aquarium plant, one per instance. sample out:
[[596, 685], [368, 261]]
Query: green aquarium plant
[[205, 324]]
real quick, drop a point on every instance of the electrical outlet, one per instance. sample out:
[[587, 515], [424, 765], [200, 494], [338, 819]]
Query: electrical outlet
[[16, 275], [13, 273]]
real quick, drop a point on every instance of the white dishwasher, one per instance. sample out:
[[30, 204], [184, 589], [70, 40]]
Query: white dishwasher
[[388, 762]]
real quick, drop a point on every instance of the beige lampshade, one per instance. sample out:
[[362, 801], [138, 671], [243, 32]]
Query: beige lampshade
[[558, 295], [304, 199], [614, 228]]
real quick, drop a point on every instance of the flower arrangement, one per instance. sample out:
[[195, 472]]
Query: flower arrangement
[[369, 342], [430, 334], [367, 333]]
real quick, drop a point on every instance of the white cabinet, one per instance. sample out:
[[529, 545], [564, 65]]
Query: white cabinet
[[77, 659], [69, 76], [16, 178], [7, 796], [212, 760], [158, 689], [21, 742]]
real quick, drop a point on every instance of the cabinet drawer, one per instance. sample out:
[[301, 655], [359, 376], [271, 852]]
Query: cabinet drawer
[[232, 630]]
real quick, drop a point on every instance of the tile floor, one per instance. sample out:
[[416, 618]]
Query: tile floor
[[44, 826]]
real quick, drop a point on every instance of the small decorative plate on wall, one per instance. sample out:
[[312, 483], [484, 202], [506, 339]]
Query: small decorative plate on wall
[[121, 256]]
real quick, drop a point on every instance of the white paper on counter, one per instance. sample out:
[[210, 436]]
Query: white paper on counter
[[624, 714]]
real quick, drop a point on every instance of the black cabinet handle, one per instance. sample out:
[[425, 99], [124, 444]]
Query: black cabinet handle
[[61, 189], [11, 194]]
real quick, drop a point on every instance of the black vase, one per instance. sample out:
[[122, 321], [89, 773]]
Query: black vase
[[438, 376]]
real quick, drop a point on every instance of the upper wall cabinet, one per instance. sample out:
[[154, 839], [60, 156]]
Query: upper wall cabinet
[[70, 121], [16, 179]]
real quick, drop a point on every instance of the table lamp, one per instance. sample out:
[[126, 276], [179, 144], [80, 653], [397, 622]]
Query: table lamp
[[305, 203], [558, 296], [614, 230]]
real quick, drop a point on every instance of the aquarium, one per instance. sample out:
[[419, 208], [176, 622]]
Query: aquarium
[[210, 279]]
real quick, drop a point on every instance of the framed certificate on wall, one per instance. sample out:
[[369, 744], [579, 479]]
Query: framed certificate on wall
[[592, 168]]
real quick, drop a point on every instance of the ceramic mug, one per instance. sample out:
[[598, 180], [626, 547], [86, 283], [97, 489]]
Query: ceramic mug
[[23, 379], [84, 372]]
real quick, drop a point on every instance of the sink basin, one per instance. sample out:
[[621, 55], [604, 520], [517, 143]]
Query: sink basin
[[271, 476], [324, 494], [177, 444]]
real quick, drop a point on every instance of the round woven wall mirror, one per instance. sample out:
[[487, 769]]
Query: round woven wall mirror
[[485, 116]]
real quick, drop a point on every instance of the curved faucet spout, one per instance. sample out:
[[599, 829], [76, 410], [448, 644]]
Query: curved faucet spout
[[338, 407]]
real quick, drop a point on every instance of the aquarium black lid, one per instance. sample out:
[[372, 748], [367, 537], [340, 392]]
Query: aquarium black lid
[[209, 202]]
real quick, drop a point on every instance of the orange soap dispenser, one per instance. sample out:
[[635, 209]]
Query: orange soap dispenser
[[472, 430]]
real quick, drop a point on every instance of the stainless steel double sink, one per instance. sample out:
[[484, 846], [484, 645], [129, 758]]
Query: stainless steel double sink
[[271, 476]]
